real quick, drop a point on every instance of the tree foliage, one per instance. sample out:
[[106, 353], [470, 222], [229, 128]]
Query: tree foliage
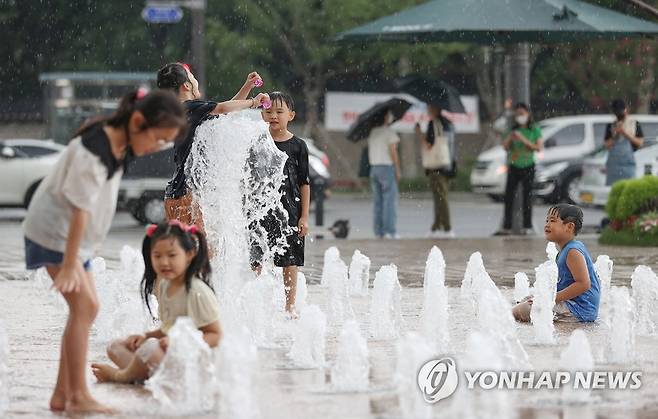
[[290, 42]]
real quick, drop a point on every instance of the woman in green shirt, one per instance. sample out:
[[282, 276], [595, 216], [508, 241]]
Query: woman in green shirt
[[521, 143]]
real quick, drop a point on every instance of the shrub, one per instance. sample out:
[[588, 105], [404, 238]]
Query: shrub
[[632, 197], [627, 237], [613, 198]]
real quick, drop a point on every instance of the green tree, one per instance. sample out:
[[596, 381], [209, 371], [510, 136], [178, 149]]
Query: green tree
[[291, 42], [77, 35]]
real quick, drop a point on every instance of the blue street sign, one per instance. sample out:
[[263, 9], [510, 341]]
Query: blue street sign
[[162, 14]]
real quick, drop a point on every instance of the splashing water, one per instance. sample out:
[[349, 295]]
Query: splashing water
[[302, 291], [308, 347], [412, 352], [482, 354], [236, 365], [385, 314], [476, 279], [645, 293], [351, 369], [359, 274], [474, 269], [122, 311], [551, 251], [603, 267], [340, 306], [43, 285], [279, 290], [184, 381], [621, 340], [521, 286], [541, 313], [259, 308], [493, 312], [434, 316], [495, 317], [331, 257], [4, 369], [234, 171], [577, 356]]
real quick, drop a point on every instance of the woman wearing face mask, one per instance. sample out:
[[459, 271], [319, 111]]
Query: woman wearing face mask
[[622, 138], [521, 143]]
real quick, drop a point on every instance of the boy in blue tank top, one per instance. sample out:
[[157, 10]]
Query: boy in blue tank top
[[578, 287]]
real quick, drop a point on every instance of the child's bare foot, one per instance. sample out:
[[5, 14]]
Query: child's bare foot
[[104, 372], [58, 402], [292, 315], [86, 404]]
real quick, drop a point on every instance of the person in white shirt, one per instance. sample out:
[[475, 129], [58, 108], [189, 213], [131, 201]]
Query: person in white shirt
[[384, 176], [71, 213]]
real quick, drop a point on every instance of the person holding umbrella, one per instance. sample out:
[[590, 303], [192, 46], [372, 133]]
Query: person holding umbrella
[[374, 125], [384, 175], [437, 144]]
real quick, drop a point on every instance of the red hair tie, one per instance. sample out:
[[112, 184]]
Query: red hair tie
[[185, 66], [141, 93], [177, 224], [151, 229], [191, 229]]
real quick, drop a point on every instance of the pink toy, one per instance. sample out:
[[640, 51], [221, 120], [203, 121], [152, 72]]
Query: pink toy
[[266, 104], [258, 82]]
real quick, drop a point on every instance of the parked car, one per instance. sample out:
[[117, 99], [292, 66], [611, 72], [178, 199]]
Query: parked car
[[592, 189], [143, 185], [23, 165], [567, 141]]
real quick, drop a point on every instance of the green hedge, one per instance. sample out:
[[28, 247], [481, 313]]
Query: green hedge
[[631, 197], [627, 237]]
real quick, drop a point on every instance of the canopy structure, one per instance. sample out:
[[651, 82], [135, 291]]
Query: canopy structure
[[501, 22], [513, 23]]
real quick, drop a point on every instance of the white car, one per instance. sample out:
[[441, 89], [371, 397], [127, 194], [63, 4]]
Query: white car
[[592, 188], [566, 139], [23, 165]]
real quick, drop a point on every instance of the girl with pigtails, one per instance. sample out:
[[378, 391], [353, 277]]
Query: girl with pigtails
[[177, 271]]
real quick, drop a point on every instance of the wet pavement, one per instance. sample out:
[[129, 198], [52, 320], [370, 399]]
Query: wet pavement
[[34, 324]]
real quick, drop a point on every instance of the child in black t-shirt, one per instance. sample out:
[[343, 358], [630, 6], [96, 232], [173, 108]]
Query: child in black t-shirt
[[177, 77], [295, 194]]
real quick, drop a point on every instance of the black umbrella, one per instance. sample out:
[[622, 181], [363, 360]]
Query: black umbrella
[[361, 128], [432, 92]]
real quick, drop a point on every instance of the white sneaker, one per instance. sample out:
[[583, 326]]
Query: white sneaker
[[441, 234], [392, 236]]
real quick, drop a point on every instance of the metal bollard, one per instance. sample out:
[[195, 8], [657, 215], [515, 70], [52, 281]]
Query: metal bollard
[[319, 202]]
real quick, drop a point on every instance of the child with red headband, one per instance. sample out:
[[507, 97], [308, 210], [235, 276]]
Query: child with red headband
[[177, 271]]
